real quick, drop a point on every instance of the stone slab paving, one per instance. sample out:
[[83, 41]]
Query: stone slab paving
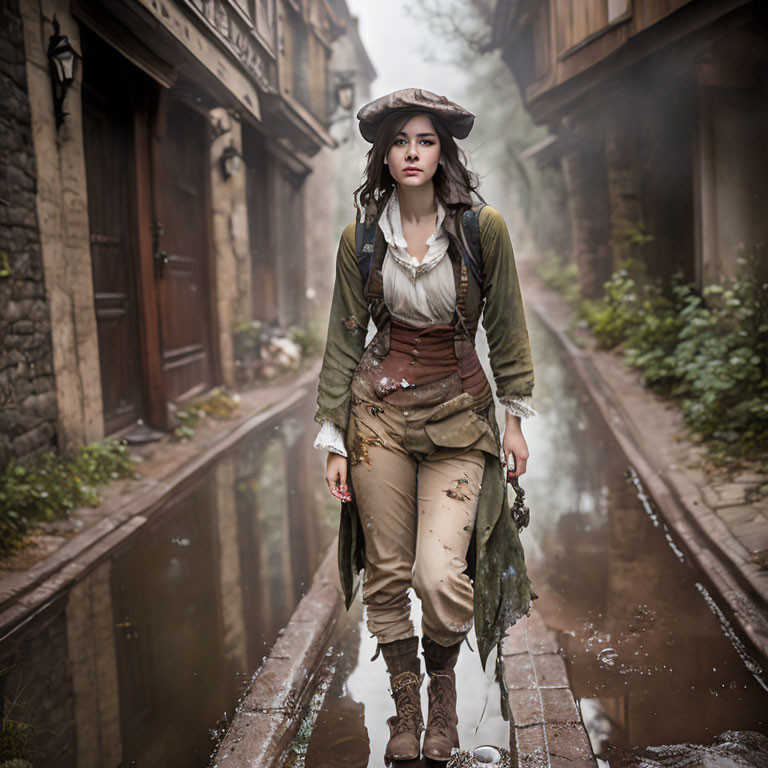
[[546, 727], [721, 520]]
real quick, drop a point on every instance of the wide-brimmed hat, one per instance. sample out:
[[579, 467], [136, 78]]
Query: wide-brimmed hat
[[456, 119]]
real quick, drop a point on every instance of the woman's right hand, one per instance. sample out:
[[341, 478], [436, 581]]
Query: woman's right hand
[[336, 476]]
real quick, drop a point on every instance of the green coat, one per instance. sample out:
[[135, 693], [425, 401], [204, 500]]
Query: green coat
[[502, 590]]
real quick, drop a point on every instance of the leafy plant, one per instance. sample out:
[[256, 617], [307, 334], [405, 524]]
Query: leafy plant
[[49, 486], [16, 743], [635, 233], [188, 419], [708, 349], [217, 404], [563, 277], [611, 316], [17, 736], [722, 361], [220, 405], [307, 338], [247, 337], [652, 337]]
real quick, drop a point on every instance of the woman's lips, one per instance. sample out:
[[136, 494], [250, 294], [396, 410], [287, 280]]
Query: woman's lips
[[412, 170]]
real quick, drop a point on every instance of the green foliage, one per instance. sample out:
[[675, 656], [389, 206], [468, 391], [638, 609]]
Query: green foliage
[[16, 744], [17, 737], [653, 335], [188, 419], [307, 339], [635, 233], [563, 277], [218, 404], [49, 486], [722, 361], [247, 337], [5, 266], [611, 316], [710, 350]]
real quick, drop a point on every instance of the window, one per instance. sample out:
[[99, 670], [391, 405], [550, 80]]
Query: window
[[617, 9], [582, 21]]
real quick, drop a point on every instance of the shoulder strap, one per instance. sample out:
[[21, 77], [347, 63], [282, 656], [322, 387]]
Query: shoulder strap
[[364, 237], [474, 257]]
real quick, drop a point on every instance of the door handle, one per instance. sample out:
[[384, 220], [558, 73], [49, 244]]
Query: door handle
[[161, 259], [159, 256]]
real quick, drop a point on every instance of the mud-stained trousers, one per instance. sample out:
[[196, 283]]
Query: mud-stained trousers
[[417, 503]]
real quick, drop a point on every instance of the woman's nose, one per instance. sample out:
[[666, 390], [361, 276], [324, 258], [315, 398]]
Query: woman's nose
[[412, 153]]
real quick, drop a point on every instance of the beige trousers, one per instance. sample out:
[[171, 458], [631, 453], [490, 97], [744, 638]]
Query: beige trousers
[[417, 503]]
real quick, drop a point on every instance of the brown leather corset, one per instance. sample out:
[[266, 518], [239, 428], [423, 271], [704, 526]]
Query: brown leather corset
[[419, 356]]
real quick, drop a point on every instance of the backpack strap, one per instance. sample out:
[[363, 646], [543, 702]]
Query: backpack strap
[[364, 237], [473, 257]]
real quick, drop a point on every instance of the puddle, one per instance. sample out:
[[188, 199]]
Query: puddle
[[138, 662], [144, 658], [348, 728], [651, 657]]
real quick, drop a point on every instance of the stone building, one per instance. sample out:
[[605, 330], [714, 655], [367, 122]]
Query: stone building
[[337, 171], [658, 112], [153, 201], [27, 386]]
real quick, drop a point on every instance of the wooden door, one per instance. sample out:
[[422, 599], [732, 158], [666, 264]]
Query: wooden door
[[109, 141], [184, 280]]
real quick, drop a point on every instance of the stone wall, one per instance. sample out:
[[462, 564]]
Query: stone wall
[[62, 212], [28, 409]]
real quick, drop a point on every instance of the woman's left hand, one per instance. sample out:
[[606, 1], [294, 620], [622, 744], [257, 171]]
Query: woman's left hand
[[514, 446]]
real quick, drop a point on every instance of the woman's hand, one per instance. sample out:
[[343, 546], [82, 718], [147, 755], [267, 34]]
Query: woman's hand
[[514, 446], [336, 476]]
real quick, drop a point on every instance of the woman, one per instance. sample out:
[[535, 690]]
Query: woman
[[408, 420]]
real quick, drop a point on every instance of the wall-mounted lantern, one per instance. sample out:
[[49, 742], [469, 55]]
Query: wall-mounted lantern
[[345, 95], [231, 161], [344, 104], [61, 58]]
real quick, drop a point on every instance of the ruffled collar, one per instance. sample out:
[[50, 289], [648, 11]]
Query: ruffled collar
[[390, 223]]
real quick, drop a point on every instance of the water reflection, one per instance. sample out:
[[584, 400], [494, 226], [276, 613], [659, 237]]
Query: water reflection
[[137, 662], [350, 729], [648, 660]]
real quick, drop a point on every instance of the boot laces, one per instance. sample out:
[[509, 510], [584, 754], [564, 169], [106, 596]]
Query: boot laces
[[408, 705], [408, 719], [439, 706]]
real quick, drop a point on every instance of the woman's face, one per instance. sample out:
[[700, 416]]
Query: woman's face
[[414, 153]]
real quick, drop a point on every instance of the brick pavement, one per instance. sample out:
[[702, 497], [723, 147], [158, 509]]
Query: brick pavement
[[546, 727]]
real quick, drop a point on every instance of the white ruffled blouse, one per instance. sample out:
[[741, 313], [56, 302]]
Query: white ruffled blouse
[[419, 293]]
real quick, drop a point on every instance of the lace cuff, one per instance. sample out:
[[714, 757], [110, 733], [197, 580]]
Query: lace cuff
[[519, 406], [330, 438]]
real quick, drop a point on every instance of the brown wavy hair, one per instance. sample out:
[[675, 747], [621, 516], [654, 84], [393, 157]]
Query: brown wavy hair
[[451, 176]]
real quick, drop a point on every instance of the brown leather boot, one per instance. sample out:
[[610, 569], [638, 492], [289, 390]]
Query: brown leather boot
[[406, 726], [441, 735]]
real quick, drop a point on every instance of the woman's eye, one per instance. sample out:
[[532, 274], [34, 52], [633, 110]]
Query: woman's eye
[[428, 142]]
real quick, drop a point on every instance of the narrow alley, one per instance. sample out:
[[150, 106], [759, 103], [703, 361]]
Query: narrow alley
[[189, 189]]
